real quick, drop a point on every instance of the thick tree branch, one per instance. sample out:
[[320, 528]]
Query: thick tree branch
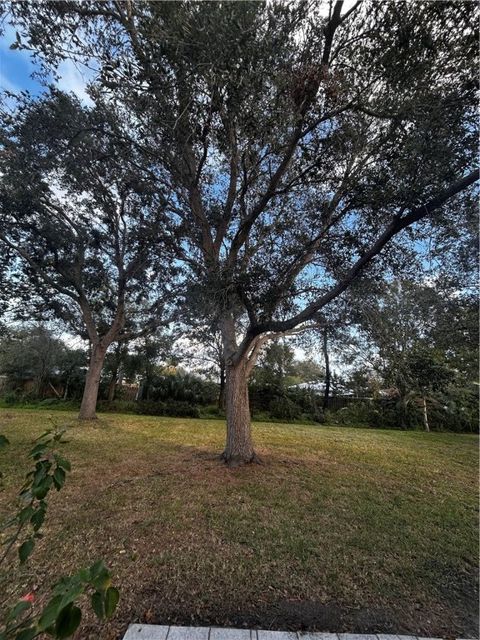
[[396, 225], [329, 31]]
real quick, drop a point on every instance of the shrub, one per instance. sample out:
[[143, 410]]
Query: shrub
[[10, 398], [317, 415], [388, 413], [455, 410], [118, 406], [212, 411], [284, 409], [151, 407], [60, 617], [181, 409], [358, 413], [183, 388], [174, 408], [264, 397]]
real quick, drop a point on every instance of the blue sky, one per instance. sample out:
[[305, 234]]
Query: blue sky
[[17, 67]]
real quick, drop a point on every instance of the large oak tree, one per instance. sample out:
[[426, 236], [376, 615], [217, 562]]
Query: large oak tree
[[298, 140]]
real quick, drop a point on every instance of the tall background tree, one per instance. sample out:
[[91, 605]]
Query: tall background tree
[[81, 228], [297, 140], [202, 350], [419, 340], [35, 361]]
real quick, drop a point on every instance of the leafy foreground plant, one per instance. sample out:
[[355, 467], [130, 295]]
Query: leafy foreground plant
[[61, 616]]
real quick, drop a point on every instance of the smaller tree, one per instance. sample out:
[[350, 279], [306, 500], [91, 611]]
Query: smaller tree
[[80, 225], [308, 370], [202, 347], [145, 359], [275, 366], [330, 334], [426, 374], [73, 365], [114, 363], [360, 382], [33, 354], [419, 340]]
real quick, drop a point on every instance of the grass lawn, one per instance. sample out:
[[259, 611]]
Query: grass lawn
[[340, 530]]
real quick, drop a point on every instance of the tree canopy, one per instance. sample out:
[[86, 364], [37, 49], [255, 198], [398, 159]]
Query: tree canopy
[[81, 228]]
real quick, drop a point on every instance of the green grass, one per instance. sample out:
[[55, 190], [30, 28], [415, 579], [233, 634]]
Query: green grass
[[340, 529]]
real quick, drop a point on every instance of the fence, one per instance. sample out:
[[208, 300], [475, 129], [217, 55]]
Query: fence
[[127, 391]]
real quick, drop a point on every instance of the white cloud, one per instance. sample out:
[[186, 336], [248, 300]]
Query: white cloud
[[72, 78]]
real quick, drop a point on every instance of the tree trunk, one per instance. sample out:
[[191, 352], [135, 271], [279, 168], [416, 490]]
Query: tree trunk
[[221, 394], [112, 387], [326, 395], [92, 381], [239, 446], [425, 414]]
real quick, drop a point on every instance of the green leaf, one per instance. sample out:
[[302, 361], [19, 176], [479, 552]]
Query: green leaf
[[38, 517], [62, 462], [3, 441], [69, 589], [96, 568], [84, 575], [59, 478], [75, 590], [97, 604], [67, 621], [25, 514], [102, 581], [112, 597], [99, 576], [50, 613], [25, 549], [40, 473], [38, 450], [43, 488]]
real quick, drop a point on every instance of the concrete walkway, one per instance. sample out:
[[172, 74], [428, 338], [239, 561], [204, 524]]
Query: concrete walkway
[[159, 632]]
